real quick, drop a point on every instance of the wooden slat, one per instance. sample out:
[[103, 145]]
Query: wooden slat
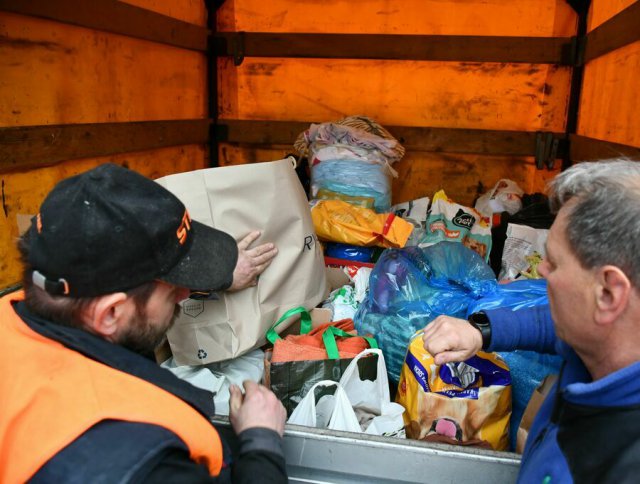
[[535, 50], [477, 141], [583, 148], [36, 146], [450, 140], [259, 132], [620, 30], [115, 17]]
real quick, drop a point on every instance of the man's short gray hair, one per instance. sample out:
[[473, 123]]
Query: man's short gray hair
[[603, 226]]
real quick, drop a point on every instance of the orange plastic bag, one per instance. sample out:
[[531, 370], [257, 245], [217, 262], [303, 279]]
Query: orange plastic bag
[[310, 346], [338, 221]]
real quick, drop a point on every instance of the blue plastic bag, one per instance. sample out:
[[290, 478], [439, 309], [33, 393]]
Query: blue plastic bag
[[349, 252], [410, 287], [522, 293]]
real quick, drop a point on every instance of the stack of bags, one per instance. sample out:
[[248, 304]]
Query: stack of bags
[[350, 163], [351, 170], [351, 160]]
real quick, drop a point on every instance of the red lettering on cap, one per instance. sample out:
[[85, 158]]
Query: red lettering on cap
[[183, 229], [39, 223]]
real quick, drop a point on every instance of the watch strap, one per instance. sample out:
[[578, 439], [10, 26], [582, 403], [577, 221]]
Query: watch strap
[[481, 322]]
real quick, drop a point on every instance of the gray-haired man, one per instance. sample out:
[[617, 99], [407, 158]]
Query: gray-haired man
[[588, 428]]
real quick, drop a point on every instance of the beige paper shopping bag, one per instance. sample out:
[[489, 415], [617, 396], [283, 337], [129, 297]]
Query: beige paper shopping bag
[[238, 199]]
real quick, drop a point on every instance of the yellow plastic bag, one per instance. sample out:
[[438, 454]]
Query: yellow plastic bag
[[465, 403], [338, 221]]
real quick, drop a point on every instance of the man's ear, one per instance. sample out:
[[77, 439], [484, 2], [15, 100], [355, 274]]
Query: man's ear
[[613, 289], [106, 314]]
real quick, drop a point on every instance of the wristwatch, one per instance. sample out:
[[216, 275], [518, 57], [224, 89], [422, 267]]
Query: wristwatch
[[481, 322]]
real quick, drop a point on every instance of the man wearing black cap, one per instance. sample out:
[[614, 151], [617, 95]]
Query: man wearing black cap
[[107, 259]]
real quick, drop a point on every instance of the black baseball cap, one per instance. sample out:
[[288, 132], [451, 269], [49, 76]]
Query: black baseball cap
[[111, 229]]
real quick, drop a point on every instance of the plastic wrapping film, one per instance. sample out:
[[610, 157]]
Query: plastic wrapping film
[[355, 178]]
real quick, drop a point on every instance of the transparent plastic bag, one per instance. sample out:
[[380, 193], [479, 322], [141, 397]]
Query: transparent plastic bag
[[355, 178]]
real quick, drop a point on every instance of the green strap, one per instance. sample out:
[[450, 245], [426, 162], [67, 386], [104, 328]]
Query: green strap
[[329, 340], [305, 323]]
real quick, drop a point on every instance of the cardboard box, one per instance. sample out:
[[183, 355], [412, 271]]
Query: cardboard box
[[535, 402], [336, 277]]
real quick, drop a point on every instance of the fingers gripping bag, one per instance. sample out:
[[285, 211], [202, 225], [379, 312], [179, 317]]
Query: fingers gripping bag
[[465, 403], [528, 368]]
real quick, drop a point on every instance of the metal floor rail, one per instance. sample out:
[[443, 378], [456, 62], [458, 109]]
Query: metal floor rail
[[326, 456]]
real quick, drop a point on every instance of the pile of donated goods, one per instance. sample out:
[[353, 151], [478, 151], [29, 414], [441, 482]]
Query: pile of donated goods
[[357, 362]]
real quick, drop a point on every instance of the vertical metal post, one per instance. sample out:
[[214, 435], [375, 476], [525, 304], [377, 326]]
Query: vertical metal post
[[212, 80], [576, 78]]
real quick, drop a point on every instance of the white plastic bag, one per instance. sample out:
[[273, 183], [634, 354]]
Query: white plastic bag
[[522, 242], [219, 376], [331, 411], [505, 196], [371, 398], [342, 303], [453, 222]]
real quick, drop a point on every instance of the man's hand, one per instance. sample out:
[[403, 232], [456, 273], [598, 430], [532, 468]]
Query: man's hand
[[251, 262], [451, 339], [258, 407]]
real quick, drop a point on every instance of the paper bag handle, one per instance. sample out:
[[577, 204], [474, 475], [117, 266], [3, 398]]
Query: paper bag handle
[[329, 340], [305, 323]]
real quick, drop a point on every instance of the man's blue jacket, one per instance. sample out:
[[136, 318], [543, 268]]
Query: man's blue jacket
[[585, 431]]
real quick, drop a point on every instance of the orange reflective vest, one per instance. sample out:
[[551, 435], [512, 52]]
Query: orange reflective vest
[[50, 395]]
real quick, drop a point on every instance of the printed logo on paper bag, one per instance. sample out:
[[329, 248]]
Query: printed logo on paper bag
[[202, 354], [193, 308], [464, 219]]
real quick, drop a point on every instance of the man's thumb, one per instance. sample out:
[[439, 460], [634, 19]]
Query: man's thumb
[[235, 400]]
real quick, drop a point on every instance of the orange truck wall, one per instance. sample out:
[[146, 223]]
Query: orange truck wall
[[610, 103], [527, 97], [54, 73]]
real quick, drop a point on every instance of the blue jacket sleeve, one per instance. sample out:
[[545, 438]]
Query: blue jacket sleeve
[[524, 329]]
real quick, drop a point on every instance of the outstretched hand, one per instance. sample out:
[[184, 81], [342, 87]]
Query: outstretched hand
[[451, 339], [258, 407], [251, 262]]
